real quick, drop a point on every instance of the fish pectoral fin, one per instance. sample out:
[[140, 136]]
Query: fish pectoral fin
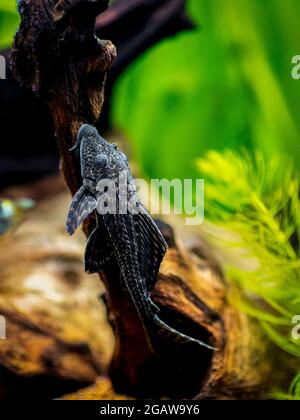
[[83, 204], [152, 247], [98, 254]]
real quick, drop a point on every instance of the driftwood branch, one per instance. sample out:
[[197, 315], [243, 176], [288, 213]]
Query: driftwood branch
[[57, 56]]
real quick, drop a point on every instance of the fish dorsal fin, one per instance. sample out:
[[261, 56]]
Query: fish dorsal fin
[[151, 247], [83, 204]]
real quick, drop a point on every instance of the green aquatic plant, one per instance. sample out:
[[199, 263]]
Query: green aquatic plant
[[256, 200], [225, 84]]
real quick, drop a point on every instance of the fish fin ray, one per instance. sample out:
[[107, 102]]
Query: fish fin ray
[[178, 336], [151, 247]]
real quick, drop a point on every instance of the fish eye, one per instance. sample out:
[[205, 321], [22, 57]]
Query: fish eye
[[101, 161]]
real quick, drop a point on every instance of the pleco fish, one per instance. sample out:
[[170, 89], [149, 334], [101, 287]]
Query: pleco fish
[[128, 238]]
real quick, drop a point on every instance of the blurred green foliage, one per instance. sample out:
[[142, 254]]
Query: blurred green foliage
[[227, 84], [9, 20]]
